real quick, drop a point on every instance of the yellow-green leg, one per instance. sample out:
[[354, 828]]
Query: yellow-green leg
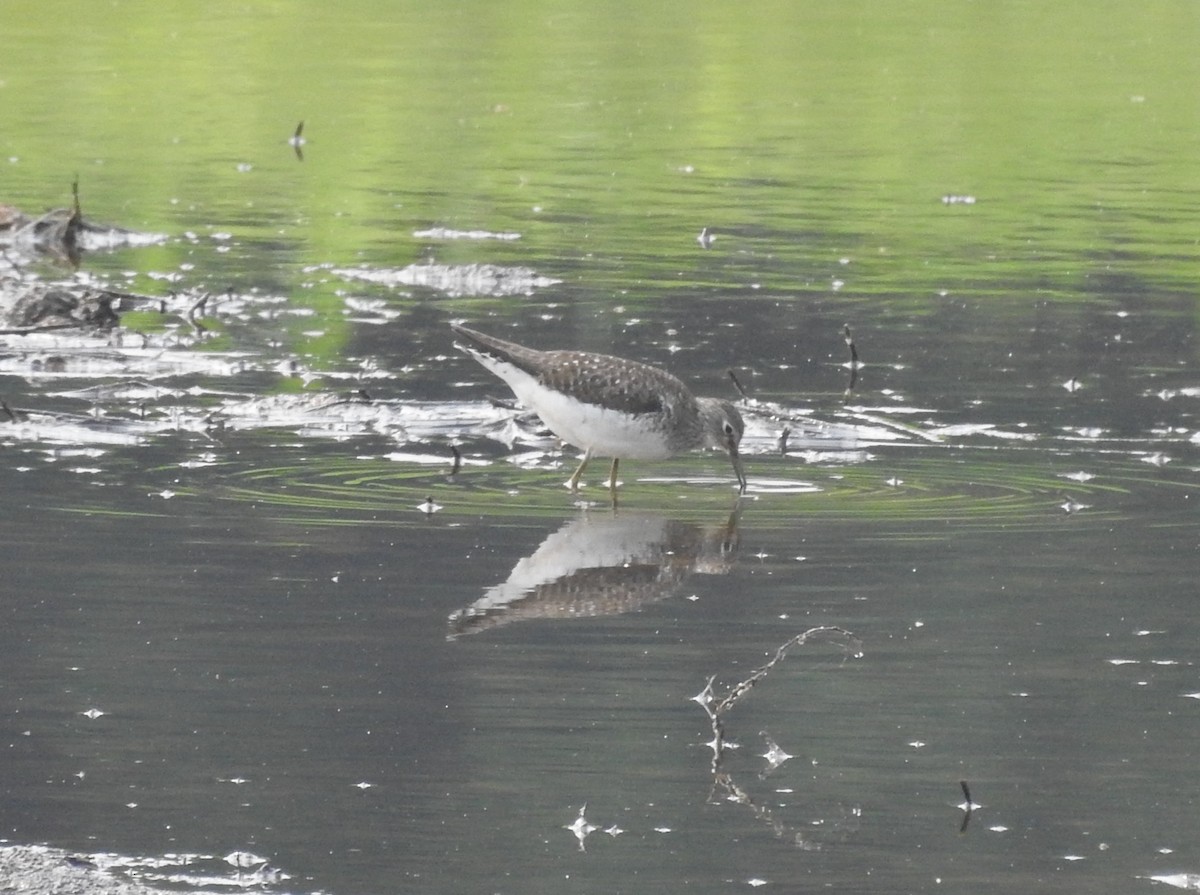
[[573, 482]]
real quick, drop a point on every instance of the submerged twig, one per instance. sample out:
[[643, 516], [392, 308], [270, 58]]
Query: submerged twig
[[742, 687], [723, 780]]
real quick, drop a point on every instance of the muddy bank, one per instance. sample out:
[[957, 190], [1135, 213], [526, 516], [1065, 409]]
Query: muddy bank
[[62, 233], [38, 870]]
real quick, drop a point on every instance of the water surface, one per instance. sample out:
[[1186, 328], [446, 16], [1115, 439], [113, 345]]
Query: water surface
[[233, 625]]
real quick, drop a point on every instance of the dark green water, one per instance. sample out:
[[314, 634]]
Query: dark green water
[[216, 541]]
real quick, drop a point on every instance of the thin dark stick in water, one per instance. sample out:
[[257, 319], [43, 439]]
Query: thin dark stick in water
[[297, 140], [846, 334], [783, 437], [738, 385], [967, 809], [457, 460], [849, 338], [198, 307]]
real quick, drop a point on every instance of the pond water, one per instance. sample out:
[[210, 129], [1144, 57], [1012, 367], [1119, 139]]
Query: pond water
[[252, 614]]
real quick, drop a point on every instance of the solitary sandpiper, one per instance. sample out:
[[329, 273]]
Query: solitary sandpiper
[[610, 406]]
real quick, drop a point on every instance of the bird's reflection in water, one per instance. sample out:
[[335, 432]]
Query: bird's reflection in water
[[603, 564]]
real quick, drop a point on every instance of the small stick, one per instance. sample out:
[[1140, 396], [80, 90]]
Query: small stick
[[783, 437], [457, 459], [738, 385], [297, 140], [846, 334], [849, 339], [198, 307], [962, 828]]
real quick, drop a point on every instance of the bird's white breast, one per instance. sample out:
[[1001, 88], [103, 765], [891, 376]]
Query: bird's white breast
[[606, 433]]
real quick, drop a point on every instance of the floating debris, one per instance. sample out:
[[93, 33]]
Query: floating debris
[[243, 859], [774, 755], [64, 232], [456, 280], [448, 233], [1188, 881], [581, 828]]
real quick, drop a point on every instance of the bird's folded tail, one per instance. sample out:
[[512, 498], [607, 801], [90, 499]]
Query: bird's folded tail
[[478, 343]]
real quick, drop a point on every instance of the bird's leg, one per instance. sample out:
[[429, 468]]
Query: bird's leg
[[573, 483], [612, 476]]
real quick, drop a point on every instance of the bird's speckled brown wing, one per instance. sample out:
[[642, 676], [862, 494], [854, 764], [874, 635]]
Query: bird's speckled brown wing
[[616, 383], [613, 382]]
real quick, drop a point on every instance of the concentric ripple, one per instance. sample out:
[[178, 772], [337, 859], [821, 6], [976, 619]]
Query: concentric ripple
[[924, 491]]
